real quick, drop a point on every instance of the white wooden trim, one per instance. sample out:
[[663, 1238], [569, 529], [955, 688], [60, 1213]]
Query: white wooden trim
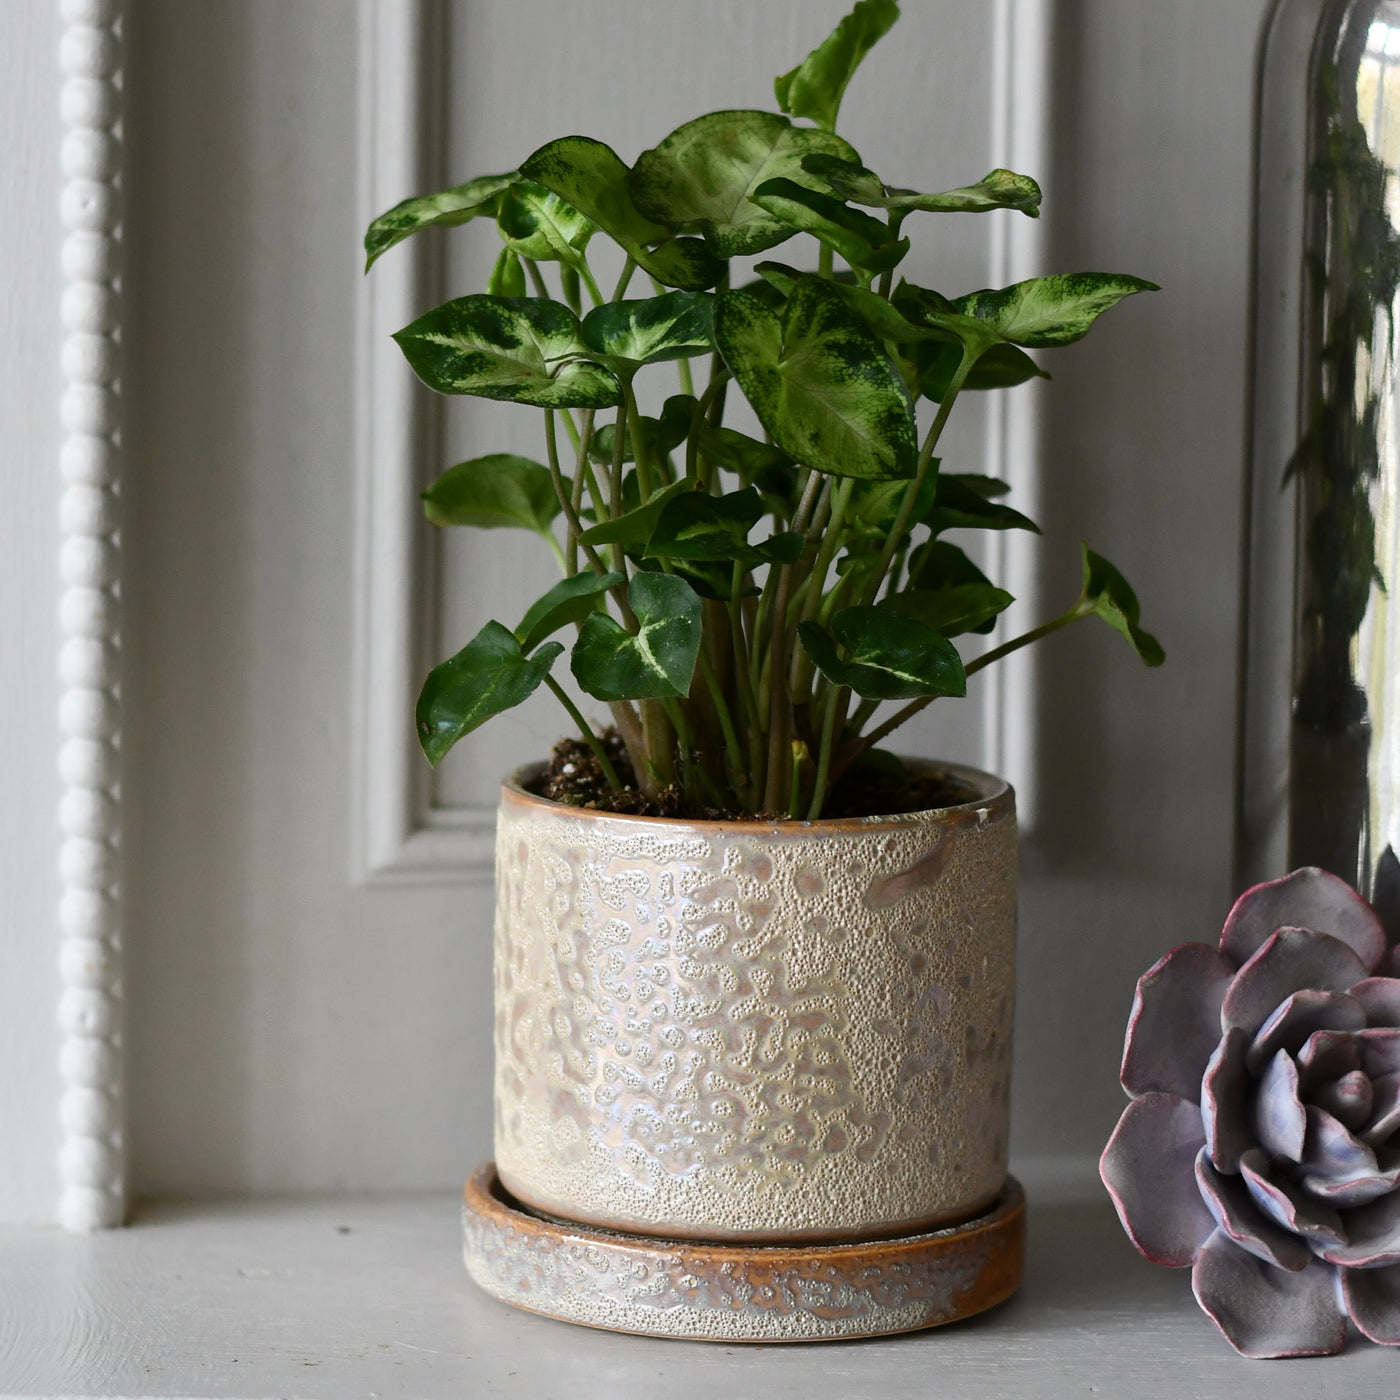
[[92, 1166], [1020, 126], [398, 836]]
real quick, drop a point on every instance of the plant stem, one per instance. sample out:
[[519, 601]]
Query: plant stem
[[911, 495], [628, 268], [897, 217], [565, 498], [615, 480], [590, 738], [816, 583], [692, 446], [683, 374], [532, 269], [576, 491], [824, 261], [833, 705], [586, 273], [732, 747], [634, 423], [799, 757]]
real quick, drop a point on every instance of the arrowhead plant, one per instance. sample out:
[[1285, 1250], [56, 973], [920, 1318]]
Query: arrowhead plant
[[743, 607]]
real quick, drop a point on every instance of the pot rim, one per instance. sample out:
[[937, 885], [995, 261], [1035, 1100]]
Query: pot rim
[[996, 799]]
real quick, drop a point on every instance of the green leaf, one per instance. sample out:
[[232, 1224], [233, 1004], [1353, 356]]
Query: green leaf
[[960, 505], [671, 327], [537, 224], [815, 87], [508, 276], [488, 675], [967, 607], [937, 566], [1049, 311], [700, 177], [506, 348], [864, 242], [820, 383], [455, 206], [661, 435], [883, 319], [696, 525], [737, 452], [1001, 189], [501, 490], [707, 578], [783, 548], [999, 367], [591, 176], [1115, 602], [633, 529], [570, 600], [612, 664], [876, 504], [889, 657]]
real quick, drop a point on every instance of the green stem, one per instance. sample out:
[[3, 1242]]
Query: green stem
[[628, 268], [683, 374], [824, 261], [576, 491], [816, 583], [586, 273], [833, 705], [565, 498], [615, 481], [799, 757], [590, 738], [532, 270], [634, 423], [692, 446], [732, 747], [906, 506], [897, 217]]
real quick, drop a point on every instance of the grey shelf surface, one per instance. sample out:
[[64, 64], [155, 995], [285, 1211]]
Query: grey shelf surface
[[355, 1297]]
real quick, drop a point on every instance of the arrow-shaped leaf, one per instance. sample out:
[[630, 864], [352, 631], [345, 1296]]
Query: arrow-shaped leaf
[[492, 492], [592, 177], [537, 224], [633, 529], [815, 87], [490, 674], [455, 206], [999, 367], [659, 662], [508, 276], [671, 327], [959, 503], [700, 526], [570, 600], [820, 382], [889, 657], [660, 435], [966, 607], [700, 177], [863, 241], [1049, 311], [1115, 602], [506, 348], [1001, 189]]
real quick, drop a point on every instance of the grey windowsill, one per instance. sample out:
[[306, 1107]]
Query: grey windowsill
[[367, 1297]]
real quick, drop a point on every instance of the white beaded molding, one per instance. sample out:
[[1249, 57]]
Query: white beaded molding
[[91, 1154]]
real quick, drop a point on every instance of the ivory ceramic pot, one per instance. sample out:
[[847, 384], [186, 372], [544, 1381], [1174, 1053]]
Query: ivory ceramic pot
[[755, 1031]]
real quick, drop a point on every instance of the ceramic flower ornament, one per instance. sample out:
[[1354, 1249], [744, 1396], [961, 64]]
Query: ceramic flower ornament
[[1262, 1143]]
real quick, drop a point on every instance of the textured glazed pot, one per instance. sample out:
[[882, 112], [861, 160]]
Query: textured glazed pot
[[754, 1031]]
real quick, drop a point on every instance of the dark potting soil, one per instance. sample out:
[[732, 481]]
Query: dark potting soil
[[878, 787]]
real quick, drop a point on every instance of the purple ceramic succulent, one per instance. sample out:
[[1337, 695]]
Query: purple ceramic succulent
[[1262, 1143]]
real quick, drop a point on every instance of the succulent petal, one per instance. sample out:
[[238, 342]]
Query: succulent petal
[[1228, 1200], [1380, 999], [1280, 1120], [1297, 1017], [1327, 1055], [1308, 898], [1263, 1311], [1349, 1100], [1385, 1109], [1175, 1022], [1372, 1297], [1291, 960], [1373, 1236], [1148, 1170], [1224, 1091], [1380, 1050], [1354, 1191], [1332, 1151], [1282, 1201]]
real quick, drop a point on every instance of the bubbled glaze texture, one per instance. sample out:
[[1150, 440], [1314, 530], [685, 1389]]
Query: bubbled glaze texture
[[752, 1031]]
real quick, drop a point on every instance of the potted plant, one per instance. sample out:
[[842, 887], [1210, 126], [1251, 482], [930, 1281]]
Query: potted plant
[[754, 974]]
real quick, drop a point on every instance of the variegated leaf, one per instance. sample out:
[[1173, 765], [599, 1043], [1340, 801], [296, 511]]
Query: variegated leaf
[[611, 663], [700, 177], [455, 206]]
